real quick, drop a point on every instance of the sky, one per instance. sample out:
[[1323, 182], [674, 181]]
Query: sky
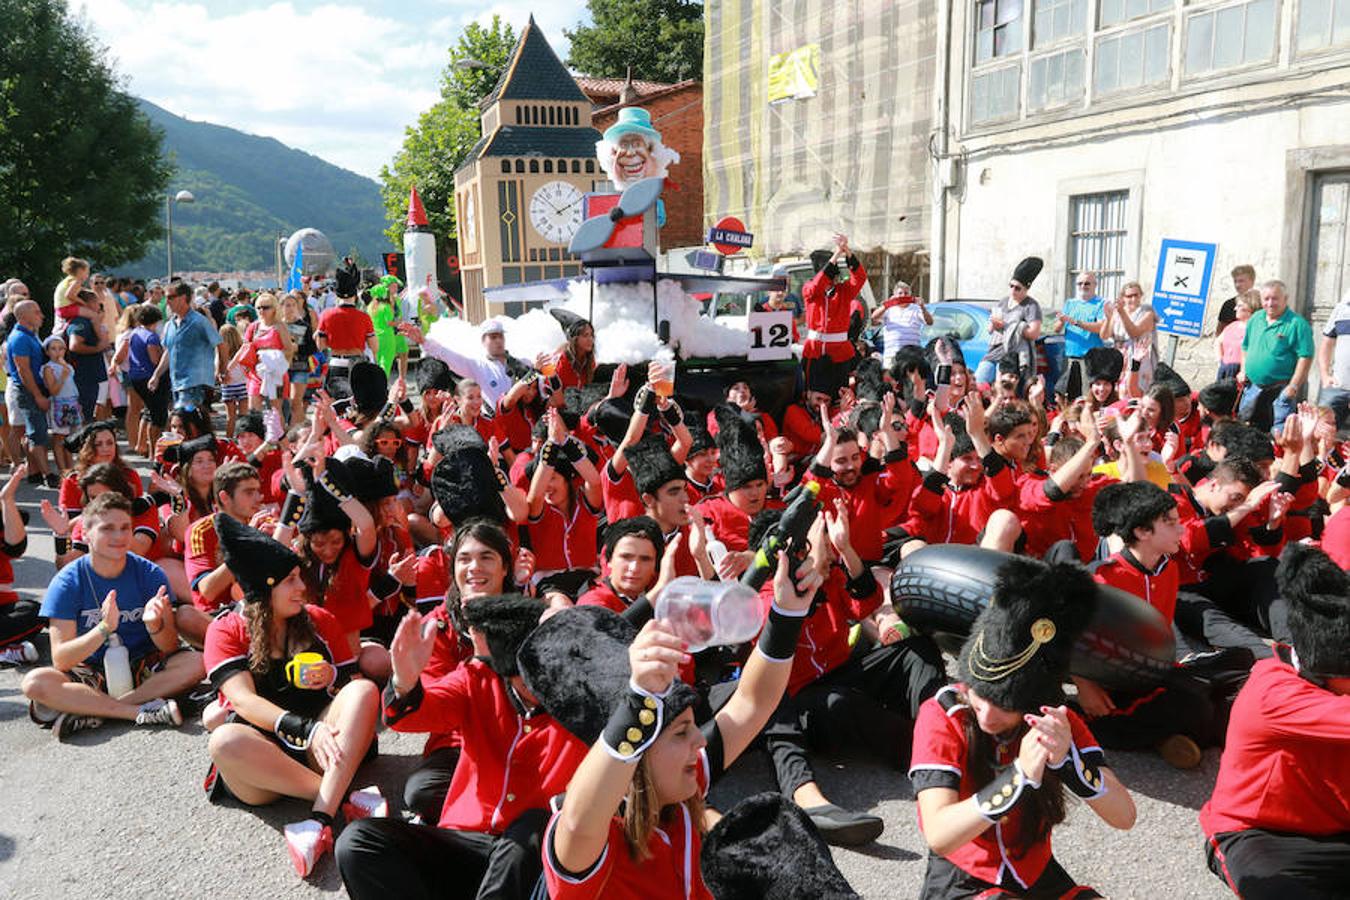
[[340, 80]]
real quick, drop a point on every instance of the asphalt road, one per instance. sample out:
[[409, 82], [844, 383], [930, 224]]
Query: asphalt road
[[120, 812]]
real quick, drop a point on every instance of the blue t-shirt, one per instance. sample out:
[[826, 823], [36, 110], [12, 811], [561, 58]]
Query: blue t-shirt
[[91, 369], [191, 344], [139, 364], [1078, 341], [76, 594], [22, 342]]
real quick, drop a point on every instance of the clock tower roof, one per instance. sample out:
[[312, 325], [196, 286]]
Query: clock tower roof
[[534, 72]]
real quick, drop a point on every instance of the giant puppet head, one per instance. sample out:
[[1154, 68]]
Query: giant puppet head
[[632, 150]]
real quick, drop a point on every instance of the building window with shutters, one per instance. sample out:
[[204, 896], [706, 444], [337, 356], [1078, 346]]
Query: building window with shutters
[[1098, 239]]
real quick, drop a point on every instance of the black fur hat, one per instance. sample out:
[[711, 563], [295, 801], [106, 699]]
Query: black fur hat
[[576, 664], [464, 483], [578, 401], [742, 464], [610, 418], [868, 383], [1318, 593], [1017, 655], [1027, 270], [734, 425], [701, 440], [1070, 382], [252, 423], [182, 453], [1166, 376], [433, 375], [1103, 364], [505, 620], [766, 846], [257, 562], [322, 511], [652, 465], [1121, 507], [1220, 397], [76, 440], [372, 480], [370, 387], [572, 324], [820, 259]]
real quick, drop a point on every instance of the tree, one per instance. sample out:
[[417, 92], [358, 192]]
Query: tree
[[443, 136], [81, 169], [662, 40]]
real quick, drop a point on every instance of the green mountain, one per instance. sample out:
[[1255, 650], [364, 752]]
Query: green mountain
[[248, 190]]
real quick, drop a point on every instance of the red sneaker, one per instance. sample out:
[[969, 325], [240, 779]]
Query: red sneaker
[[367, 803], [307, 842]]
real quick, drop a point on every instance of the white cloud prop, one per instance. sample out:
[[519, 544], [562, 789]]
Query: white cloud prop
[[624, 330]]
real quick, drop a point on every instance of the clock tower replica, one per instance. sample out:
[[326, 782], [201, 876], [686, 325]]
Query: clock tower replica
[[518, 194]]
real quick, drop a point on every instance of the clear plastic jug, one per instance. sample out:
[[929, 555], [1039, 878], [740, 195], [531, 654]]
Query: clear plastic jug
[[710, 613]]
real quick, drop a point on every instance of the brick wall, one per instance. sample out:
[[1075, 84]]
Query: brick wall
[[678, 115]]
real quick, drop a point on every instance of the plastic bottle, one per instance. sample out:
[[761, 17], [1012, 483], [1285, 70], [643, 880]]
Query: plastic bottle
[[710, 613], [117, 668], [717, 551]]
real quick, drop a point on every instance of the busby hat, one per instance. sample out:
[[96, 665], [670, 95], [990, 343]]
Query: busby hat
[[579, 401], [1070, 382], [766, 846], [370, 387], [576, 664], [820, 259], [252, 423], [1027, 270], [1017, 655], [322, 510], [609, 418], [182, 453], [464, 483], [1167, 376], [1103, 364], [433, 375], [76, 439], [742, 464], [700, 440], [572, 324], [1318, 593], [257, 562], [652, 465], [505, 620], [734, 424], [1220, 397], [372, 480]]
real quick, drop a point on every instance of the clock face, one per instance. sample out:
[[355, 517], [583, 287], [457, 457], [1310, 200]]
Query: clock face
[[555, 211]]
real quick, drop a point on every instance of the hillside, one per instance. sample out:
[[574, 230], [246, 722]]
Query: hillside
[[249, 189]]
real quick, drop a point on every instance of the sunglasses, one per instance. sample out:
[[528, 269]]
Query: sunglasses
[[267, 307]]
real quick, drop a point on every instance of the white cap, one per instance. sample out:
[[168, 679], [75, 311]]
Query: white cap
[[492, 326]]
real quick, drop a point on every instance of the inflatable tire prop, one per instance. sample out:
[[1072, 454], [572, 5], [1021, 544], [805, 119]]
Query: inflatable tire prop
[[939, 590]]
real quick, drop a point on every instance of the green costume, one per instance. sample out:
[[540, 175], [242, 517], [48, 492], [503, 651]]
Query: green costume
[[384, 312]]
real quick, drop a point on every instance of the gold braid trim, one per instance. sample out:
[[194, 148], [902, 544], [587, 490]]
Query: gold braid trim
[[987, 668]]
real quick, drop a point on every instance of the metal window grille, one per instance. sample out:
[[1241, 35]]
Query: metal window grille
[[1097, 238]]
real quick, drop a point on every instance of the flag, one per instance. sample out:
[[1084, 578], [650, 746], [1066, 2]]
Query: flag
[[293, 282]]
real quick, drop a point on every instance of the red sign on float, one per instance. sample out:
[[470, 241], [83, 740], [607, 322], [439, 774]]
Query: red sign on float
[[729, 236]]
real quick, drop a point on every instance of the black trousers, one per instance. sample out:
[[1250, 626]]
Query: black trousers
[[1247, 591], [424, 791], [869, 702], [381, 858], [1181, 705], [1257, 864], [19, 621], [1202, 624]]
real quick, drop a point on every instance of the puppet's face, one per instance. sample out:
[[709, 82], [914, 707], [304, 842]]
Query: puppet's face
[[633, 159]]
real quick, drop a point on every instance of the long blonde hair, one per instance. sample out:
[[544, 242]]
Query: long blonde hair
[[232, 339], [641, 814]]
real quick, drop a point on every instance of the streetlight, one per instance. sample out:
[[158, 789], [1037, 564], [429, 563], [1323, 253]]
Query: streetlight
[[169, 201]]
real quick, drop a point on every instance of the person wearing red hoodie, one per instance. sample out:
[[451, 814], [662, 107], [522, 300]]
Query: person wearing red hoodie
[[1278, 823], [828, 354], [839, 695]]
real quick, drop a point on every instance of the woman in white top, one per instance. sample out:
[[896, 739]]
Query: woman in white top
[[1131, 325], [902, 317]]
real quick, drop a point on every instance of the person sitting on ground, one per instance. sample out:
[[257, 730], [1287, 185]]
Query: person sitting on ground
[[68, 532], [237, 490], [298, 724], [93, 444], [19, 619], [109, 593], [1277, 822], [995, 752]]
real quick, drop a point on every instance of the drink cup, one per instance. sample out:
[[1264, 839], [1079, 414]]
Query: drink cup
[[710, 613], [310, 671]]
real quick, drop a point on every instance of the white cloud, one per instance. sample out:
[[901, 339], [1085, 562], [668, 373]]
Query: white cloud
[[341, 81]]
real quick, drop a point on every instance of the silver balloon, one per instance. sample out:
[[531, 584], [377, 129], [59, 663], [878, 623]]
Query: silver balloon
[[319, 257]]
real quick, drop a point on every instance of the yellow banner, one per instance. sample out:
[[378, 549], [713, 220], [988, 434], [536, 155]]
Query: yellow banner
[[794, 75]]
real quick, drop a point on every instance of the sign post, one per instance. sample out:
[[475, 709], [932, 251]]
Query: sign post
[[1181, 289]]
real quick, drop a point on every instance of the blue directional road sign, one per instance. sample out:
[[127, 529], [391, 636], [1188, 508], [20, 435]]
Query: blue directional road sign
[[1182, 286]]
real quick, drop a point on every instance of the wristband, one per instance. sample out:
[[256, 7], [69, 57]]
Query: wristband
[[571, 450], [673, 414], [294, 730], [633, 726], [408, 592], [1083, 774], [778, 640], [644, 401], [944, 375], [822, 471], [103, 630], [996, 799], [389, 410], [178, 504], [502, 481], [899, 454], [62, 542], [334, 490], [549, 455], [406, 406], [292, 508], [1343, 479]]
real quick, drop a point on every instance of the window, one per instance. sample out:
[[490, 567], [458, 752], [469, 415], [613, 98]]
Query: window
[[1322, 24], [520, 115], [1116, 11], [576, 166], [1097, 238], [1057, 19], [520, 167], [1132, 59], [548, 166], [552, 111], [998, 28], [506, 167], [534, 167], [1056, 80], [1229, 37], [994, 95], [590, 167]]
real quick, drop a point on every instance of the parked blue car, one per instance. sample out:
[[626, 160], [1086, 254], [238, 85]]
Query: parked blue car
[[968, 322]]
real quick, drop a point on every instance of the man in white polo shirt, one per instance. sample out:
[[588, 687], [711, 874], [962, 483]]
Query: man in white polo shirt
[[492, 369]]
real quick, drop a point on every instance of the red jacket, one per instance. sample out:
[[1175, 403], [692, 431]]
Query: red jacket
[[828, 309], [800, 427], [941, 514], [1205, 534], [880, 497], [823, 644], [1048, 514], [512, 761], [1157, 587]]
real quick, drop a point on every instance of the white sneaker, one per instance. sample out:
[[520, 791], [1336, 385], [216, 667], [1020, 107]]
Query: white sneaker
[[307, 842], [367, 803], [18, 654]]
